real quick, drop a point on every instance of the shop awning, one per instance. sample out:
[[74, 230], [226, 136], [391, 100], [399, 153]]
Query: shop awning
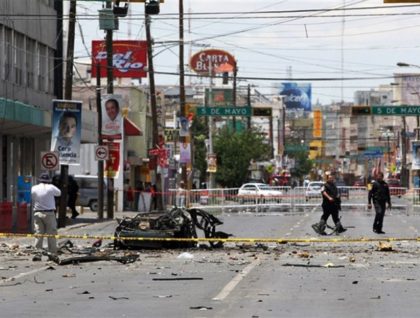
[[131, 129]]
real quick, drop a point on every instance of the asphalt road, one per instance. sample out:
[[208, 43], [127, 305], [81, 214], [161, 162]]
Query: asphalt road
[[241, 280]]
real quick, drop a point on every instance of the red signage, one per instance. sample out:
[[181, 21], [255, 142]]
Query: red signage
[[129, 58], [203, 61], [112, 165]]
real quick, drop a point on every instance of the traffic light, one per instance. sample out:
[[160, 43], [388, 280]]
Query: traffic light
[[152, 7], [118, 11], [262, 112], [360, 110]]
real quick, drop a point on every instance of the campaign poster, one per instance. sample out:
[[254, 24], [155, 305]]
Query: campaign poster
[[212, 163], [184, 127], [112, 120], [185, 153], [67, 130], [297, 95], [112, 165], [416, 155]]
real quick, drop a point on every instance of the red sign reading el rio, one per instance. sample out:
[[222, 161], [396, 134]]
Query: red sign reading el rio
[[129, 58], [202, 61]]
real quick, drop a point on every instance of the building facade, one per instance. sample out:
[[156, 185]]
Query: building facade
[[28, 67]]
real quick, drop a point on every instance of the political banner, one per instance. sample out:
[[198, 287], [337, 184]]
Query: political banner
[[416, 155], [66, 130], [112, 121]]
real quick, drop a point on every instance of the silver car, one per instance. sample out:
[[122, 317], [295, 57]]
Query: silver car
[[313, 190], [259, 192], [88, 191]]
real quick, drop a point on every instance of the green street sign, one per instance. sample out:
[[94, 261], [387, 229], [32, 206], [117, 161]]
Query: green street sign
[[296, 148], [402, 110], [224, 111]]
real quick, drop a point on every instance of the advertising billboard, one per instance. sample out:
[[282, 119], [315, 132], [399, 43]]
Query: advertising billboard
[[210, 60], [129, 58], [297, 95], [317, 128], [66, 130]]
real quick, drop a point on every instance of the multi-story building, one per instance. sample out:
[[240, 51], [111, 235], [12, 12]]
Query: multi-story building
[[29, 64]]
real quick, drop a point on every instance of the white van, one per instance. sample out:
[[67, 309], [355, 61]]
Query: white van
[[88, 191]]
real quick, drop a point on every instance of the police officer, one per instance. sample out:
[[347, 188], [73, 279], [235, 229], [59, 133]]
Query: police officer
[[331, 204], [379, 193]]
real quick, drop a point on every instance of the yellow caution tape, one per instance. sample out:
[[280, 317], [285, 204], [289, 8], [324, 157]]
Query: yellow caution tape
[[226, 240]]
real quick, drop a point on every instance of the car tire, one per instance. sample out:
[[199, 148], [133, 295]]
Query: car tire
[[94, 205]]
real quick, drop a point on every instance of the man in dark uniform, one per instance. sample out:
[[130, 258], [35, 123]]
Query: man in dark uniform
[[379, 193], [72, 192], [331, 204]]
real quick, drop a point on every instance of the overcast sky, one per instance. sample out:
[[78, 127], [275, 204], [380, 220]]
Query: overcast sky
[[304, 40]]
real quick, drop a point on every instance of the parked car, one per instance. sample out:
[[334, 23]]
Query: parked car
[[313, 190], [395, 187], [258, 192]]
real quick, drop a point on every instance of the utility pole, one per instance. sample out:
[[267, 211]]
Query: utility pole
[[110, 90], [100, 162], [64, 173], [249, 105], [155, 134], [182, 81], [235, 72], [58, 54]]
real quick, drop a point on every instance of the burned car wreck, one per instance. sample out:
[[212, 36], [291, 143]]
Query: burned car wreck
[[158, 230]]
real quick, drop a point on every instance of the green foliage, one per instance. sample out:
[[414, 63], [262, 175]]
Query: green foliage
[[303, 164], [234, 152]]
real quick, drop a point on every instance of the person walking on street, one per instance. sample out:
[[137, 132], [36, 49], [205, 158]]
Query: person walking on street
[[181, 195], [379, 194], [331, 205], [43, 201], [73, 192]]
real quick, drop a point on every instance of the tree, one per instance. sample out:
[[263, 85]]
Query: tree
[[303, 164], [234, 152]]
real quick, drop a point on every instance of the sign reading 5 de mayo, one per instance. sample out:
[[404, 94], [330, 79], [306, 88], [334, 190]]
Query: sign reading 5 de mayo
[[403, 110]]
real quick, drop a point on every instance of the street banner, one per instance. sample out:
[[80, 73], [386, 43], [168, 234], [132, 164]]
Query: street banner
[[66, 130], [184, 127], [416, 155], [112, 165], [185, 153], [211, 163], [296, 95], [317, 129], [112, 121], [129, 58]]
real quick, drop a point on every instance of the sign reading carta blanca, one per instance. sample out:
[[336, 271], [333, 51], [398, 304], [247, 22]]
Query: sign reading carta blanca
[[209, 60], [129, 58]]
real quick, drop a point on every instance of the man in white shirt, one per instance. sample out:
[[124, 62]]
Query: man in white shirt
[[43, 202]]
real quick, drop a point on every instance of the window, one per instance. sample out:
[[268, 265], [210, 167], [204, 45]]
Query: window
[[30, 63]]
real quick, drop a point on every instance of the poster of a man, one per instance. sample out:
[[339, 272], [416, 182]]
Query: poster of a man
[[111, 117], [66, 119], [416, 155]]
